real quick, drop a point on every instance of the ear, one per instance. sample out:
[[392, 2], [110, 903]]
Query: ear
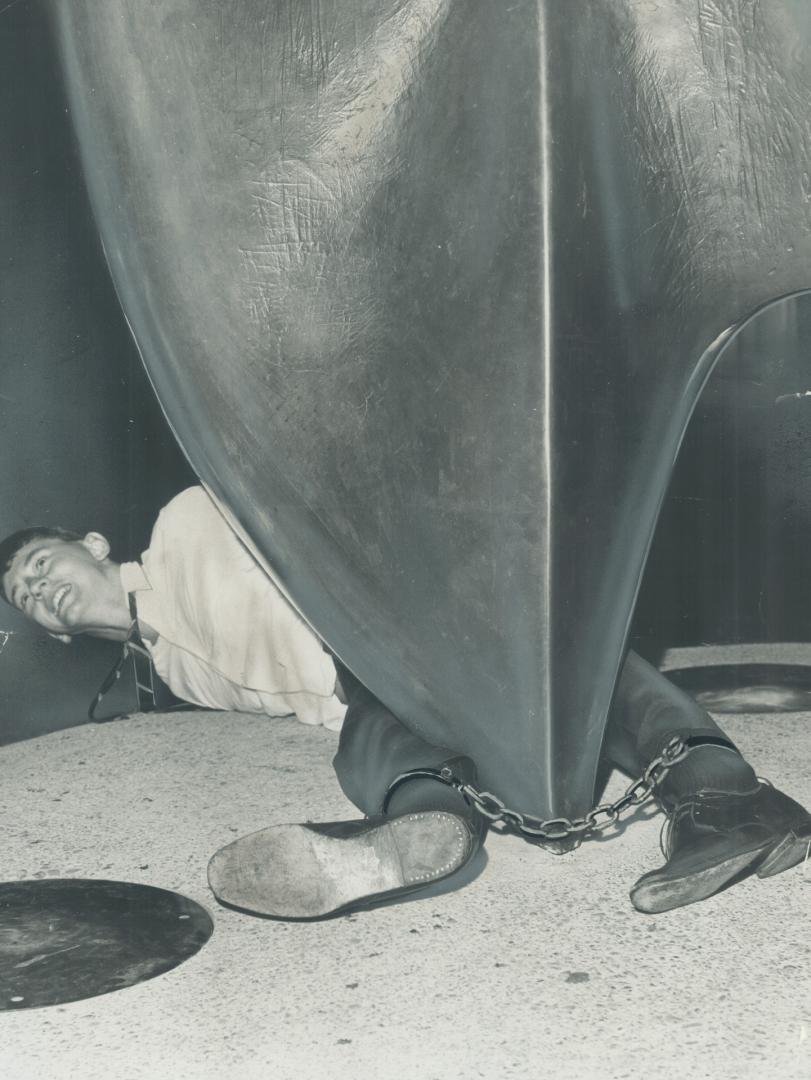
[[66, 639], [97, 545]]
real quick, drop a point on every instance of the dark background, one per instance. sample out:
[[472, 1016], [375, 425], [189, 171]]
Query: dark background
[[731, 558], [85, 444]]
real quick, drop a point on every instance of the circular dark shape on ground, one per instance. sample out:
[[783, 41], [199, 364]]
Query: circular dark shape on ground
[[747, 688], [65, 939]]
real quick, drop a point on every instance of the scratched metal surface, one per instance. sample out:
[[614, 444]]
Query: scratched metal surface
[[65, 939], [427, 289]]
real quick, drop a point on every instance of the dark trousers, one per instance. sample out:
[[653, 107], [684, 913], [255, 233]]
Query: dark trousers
[[646, 712]]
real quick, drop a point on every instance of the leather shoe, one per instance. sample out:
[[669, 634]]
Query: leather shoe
[[716, 837], [795, 842], [313, 871]]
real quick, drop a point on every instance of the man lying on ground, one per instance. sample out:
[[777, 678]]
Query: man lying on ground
[[222, 634]]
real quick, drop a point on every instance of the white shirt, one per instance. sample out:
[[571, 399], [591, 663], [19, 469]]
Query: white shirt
[[228, 637]]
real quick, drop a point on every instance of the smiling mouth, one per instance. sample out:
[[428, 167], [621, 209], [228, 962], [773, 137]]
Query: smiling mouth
[[59, 598]]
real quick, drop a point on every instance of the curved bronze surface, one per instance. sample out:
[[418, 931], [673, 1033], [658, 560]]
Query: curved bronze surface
[[428, 289]]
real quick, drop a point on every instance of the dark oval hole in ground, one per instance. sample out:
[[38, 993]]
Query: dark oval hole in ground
[[65, 939]]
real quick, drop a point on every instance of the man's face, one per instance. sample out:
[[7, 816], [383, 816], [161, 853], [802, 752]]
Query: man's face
[[60, 584]]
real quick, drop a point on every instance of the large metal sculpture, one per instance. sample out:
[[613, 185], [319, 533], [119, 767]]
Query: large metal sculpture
[[427, 289]]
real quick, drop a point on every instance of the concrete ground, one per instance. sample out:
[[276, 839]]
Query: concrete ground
[[539, 967]]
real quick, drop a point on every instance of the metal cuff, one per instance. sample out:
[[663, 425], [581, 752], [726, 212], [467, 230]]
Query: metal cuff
[[444, 776]]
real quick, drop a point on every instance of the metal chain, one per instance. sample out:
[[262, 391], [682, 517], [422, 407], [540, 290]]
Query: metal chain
[[562, 828]]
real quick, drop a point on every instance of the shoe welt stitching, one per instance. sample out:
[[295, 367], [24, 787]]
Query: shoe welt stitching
[[442, 869]]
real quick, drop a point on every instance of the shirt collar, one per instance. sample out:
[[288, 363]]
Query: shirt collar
[[133, 577]]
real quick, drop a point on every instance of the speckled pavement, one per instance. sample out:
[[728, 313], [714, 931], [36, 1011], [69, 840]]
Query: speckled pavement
[[538, 968]]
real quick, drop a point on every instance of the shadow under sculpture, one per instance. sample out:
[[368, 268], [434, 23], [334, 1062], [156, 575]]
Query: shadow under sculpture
[[427, 290]]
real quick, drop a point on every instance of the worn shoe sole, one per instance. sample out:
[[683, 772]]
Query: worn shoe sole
[[655, 892], [795, 847], [296, 872]]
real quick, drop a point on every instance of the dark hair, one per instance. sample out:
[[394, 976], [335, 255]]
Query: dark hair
[[12, 544]]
